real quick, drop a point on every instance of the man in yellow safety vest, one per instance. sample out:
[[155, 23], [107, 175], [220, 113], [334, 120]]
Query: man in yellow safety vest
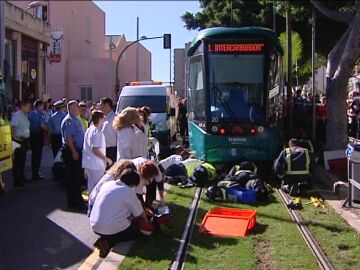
[[293, 167]]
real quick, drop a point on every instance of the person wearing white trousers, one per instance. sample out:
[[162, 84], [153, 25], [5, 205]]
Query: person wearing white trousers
[[94, 158]]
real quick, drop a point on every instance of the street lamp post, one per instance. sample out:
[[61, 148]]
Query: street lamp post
[[117, 84]]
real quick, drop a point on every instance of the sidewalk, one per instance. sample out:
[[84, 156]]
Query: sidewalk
[[326, 180], [45, 169]]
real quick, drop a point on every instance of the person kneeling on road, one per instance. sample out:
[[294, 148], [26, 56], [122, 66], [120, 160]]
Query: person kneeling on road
[[114, 205], [111, 175], [293, 167]]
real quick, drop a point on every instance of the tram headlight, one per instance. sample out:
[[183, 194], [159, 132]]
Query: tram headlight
[[214, 129], [260, 129]]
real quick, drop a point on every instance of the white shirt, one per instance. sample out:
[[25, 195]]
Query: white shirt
[[126, 141], [115, 203], [173, 159], [142, 142], [21, 123], [137, 162], [94, 138], [109, 131], [106, 178]]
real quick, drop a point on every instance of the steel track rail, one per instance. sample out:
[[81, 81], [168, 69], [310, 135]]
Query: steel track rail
[[310, 240], [179, 261]]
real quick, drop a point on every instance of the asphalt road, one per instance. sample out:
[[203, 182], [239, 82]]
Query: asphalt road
[[37, 231]]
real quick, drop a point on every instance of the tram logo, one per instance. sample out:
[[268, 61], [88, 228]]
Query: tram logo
[[238, 140]]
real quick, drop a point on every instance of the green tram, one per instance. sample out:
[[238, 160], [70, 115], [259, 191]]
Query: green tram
[[235, 94]]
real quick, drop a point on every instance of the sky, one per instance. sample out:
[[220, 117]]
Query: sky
[[155, 19]]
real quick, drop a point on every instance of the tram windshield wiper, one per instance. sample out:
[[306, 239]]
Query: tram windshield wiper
[[221, 99], [223, 102]]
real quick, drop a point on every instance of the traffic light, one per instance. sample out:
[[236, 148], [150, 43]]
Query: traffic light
[[167, 41]]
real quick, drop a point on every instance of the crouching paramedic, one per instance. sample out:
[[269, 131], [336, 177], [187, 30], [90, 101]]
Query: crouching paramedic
[[115, 203], [293, 167], [150, 176]]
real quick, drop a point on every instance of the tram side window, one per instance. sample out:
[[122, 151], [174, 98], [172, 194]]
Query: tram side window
[[196, 90], [275, 106]]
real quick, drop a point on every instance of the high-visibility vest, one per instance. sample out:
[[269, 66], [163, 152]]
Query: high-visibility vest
[[190, 165], [83, 122], [210, 170], [288, 160]]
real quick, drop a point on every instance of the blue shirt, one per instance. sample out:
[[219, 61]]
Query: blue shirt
[[71, 126], [55, 122], [36, 119]]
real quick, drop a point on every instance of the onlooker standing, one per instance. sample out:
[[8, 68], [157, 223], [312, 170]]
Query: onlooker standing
[[72, 134], [108, 130], [182, 120], [83, 115], [55, 127], [20, 130], [298, 113], [321, 115], [351, 115], [47, 114], [94, 160], [141, 131], [126, 140], [37, 128]]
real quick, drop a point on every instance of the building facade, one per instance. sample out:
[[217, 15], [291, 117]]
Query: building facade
[[26, 41], [181, 64], [78, 60]]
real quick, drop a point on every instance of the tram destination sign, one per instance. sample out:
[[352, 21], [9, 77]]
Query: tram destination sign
[[235, 48]]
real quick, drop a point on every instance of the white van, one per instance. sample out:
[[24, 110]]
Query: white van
[[155, 96]]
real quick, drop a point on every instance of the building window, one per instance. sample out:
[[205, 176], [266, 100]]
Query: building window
[[87, 29], [86, 93]]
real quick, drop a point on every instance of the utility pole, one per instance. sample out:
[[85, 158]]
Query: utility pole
[[2, 36], [274, 15], [111, 47], [289, 67], [313, 73], [137, 49]]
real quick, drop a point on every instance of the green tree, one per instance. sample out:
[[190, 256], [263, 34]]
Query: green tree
[[297, 48], [340, 64]]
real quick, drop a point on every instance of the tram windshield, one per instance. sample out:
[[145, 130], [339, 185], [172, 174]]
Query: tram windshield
[[236, 87], [157, 104]]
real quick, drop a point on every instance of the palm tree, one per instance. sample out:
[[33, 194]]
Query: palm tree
[[297, 49]]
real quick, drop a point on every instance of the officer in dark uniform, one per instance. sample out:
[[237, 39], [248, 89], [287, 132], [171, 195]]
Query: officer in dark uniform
[[294, 166], [37, 127], [72, 134], [55, 126]]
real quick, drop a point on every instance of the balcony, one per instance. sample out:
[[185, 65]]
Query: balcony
[[21, 21]]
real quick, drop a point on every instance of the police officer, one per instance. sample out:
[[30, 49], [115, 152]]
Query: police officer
[[37, 127], [20, 131], [72, 134], [55, 126], [294, 166]]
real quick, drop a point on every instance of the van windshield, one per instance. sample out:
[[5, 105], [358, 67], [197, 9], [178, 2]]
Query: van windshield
[[157, 104]]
